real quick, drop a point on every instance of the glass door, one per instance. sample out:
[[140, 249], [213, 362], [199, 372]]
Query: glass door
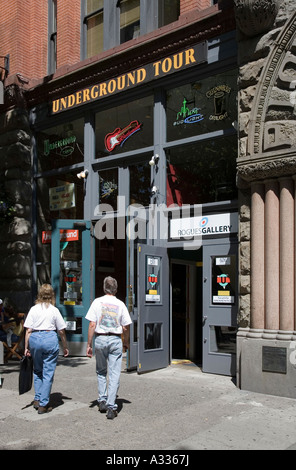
[[72, 278], [220, 307]]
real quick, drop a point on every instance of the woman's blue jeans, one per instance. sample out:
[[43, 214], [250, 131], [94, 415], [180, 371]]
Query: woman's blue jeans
[[44, 349], [108, 359]]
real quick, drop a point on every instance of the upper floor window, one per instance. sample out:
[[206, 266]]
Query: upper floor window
[[52, 36], [94, 21], [168, 11], [108, 23], [129, 20]]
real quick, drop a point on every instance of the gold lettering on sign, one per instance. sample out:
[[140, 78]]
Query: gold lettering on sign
[[154, 70]]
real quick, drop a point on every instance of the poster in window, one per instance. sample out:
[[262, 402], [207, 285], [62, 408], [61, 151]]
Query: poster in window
[[223, 280], [152, 293]]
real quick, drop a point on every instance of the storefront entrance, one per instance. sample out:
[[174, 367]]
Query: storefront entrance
[[186, 311], [204, 309], [181, 308]]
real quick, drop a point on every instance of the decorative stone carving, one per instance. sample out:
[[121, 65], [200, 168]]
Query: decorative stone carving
[[267, 168], [255, 16], [274, 99]]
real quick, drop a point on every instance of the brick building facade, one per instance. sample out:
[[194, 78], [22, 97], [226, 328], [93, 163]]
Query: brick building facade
[[79, 70]]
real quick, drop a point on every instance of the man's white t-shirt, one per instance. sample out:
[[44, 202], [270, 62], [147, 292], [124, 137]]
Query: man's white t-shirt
[[109, 313], [44, 317]]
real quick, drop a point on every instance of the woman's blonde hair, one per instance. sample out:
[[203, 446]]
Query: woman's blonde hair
[[46, 295]]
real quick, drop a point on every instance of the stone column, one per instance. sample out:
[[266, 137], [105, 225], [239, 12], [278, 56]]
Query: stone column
[[271, 254], [287, 266], [257, 257]]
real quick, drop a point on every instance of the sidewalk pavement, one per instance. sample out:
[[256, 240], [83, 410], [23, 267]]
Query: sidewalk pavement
[[175, 409]]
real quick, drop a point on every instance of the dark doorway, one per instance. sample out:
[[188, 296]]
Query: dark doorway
[[179, 310]]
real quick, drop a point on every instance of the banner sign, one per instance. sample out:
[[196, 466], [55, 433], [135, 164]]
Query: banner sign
[[216, 224], [161, 68], [65, 236]]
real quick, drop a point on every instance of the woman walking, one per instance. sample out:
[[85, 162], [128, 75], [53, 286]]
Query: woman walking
[[41, 342]]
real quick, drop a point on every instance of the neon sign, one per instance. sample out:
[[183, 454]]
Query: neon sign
[[187, 116], [219, 94], [119, 136], [63, 146]]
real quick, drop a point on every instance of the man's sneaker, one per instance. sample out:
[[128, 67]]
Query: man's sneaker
[[36, 404], [102, 407], [44, 409], [111, 414]]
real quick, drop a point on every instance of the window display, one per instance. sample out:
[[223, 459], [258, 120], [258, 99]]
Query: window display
[[61, 145], [204, 106]]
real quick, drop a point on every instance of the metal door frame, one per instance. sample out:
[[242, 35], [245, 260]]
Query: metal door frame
[[77, 342]]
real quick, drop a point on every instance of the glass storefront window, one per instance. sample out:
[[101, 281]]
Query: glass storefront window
[[61, 145], [71, 268], [59, 197], [152, 336], [108, 187], [202, 172], [140, 183], [124, 128], [203, 106], [129, 20], [223, 339]]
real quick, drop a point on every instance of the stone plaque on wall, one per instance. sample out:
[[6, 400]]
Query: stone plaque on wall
[[274, 359]]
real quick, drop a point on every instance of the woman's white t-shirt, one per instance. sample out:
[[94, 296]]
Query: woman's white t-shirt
[[44, 317]]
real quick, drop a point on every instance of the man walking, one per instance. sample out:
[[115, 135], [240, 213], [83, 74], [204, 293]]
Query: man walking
[[109, 319]]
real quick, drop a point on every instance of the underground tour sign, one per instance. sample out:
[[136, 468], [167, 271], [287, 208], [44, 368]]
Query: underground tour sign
[[182, 60]]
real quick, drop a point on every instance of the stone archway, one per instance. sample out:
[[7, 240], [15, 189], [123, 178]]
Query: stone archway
[[266, 170]]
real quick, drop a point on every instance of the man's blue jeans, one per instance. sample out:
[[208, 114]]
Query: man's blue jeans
[[44, 348], [108, 359]]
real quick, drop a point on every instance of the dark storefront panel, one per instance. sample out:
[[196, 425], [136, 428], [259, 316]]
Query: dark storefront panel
[[204, 106], [202, 172], [61, 146], [124, 128]]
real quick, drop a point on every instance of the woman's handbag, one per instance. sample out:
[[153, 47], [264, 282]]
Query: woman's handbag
[[26, 374]]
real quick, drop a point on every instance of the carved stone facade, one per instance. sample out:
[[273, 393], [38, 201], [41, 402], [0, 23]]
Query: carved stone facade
[[266, 169], [16, 182], [255, 16]]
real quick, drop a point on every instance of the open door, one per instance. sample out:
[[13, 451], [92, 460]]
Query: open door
[[71, 271], [220, 307], [153, 308]]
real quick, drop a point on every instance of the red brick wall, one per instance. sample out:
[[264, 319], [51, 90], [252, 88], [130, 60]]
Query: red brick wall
[[188, 5], [68, 32], [24, 33]]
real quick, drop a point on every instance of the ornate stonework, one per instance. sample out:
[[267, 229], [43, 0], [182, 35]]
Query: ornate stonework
[[255, 16], [269, 125]]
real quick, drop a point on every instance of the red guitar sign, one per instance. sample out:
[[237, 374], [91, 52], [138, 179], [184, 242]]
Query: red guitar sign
[[119, 136]]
